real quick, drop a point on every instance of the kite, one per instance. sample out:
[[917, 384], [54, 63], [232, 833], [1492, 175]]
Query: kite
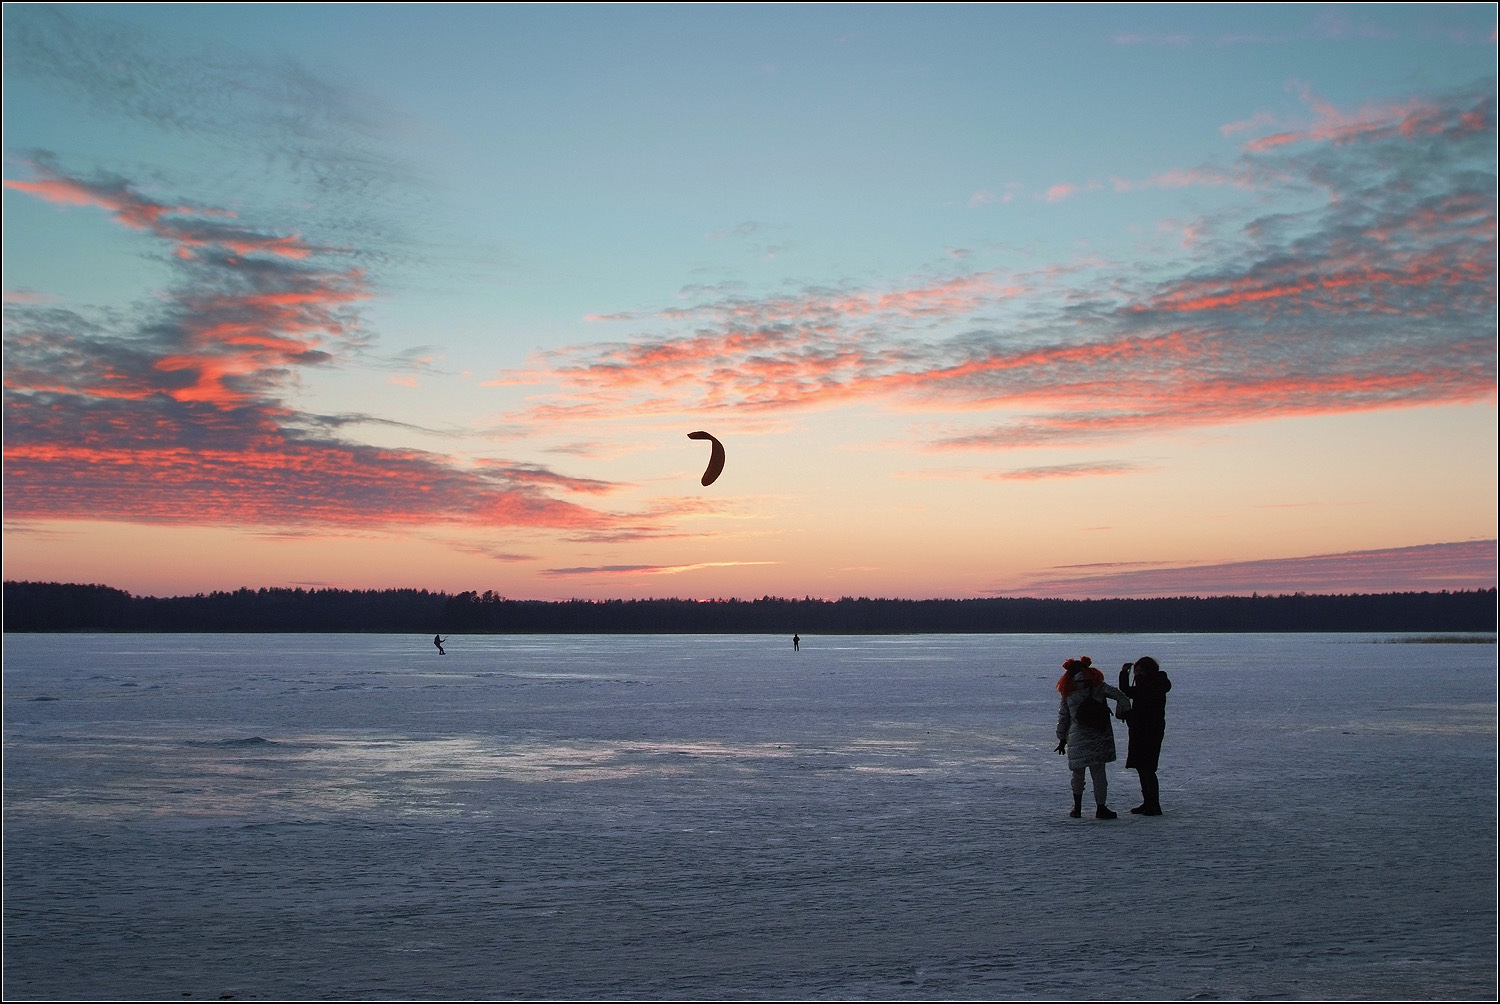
[[715, 459]]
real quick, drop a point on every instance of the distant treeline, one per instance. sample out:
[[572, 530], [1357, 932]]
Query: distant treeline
[[51, 606]]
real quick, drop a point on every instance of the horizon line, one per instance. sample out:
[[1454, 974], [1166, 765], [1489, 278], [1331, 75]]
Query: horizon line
[[1254, 594]]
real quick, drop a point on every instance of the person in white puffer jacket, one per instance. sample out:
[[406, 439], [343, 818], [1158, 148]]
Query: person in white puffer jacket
[[1088, 746]]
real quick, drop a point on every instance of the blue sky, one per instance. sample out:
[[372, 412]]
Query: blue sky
[[977, 296]]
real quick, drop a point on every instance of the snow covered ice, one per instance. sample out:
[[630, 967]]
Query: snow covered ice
[[335, 816]]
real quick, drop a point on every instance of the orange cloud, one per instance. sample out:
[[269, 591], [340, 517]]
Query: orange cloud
[[181, 419]]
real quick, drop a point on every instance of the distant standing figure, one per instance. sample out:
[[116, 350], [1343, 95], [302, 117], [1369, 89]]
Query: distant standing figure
[[796, 643], [1147, 721], [439, 643], [1088, 739]]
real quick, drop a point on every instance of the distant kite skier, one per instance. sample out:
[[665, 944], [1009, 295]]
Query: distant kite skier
[[796, 643], [438, 641]]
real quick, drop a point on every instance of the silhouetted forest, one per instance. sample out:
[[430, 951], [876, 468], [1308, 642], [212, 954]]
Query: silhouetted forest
[[51, 606]]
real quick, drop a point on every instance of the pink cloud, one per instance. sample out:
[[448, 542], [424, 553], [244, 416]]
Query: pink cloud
[[1080, 470], [1423, 568], [1309, 313], [1063, 191], [182, 417], [614, 571], [1407, 119], [1181, 355], [27, 296], [534, 475], [1204, 177], [759, 352], [1259, 120], [938, 297], [189, 226]]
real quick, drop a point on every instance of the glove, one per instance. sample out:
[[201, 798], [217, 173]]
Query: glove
[[1062, 747]]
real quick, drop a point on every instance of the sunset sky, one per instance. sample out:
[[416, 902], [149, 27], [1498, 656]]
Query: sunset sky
[[997, 300]]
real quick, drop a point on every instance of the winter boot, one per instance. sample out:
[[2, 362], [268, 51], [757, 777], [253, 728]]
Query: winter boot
[[1077, 805], [1105, 812], [1150, 796]]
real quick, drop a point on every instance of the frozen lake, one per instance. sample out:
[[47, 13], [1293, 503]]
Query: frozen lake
[[337, 816]]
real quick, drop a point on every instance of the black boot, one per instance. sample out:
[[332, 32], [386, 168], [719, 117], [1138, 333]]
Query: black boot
[[1077, 805], [1105, 812]]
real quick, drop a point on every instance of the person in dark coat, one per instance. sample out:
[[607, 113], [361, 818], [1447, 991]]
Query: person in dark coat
[[1089, 746], [1147, 721]]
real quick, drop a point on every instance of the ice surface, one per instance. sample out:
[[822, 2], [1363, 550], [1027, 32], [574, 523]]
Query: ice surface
[[337, 816]]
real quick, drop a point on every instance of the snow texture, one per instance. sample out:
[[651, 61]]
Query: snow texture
[[329, 816]]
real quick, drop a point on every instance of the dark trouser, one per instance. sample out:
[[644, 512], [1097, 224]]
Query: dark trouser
[[1145, 753], [1150, 789], [1101, 783]]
